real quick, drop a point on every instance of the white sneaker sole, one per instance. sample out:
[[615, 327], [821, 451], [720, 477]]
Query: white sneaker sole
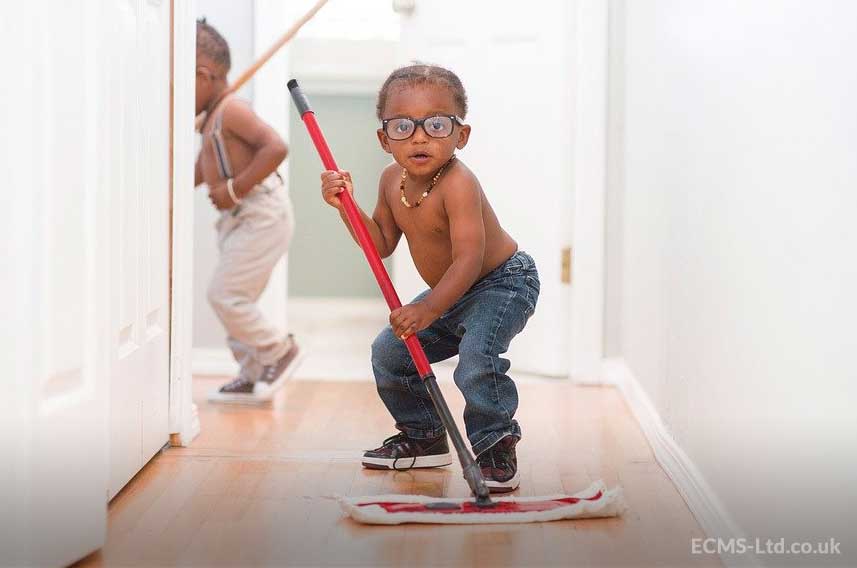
[[439, 460], [504, 486], [240, 398]]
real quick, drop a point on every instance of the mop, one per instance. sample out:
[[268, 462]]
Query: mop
[[595, 501]]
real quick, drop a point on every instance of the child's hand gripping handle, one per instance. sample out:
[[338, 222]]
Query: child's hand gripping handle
[[351, 211]]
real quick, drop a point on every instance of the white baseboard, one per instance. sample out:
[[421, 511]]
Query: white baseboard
[[699, 496], [212, 361]]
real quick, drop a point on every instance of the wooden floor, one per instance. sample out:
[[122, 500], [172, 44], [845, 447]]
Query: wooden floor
[[257, 488]]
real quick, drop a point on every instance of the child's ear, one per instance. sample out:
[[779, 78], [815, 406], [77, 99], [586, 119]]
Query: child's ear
[[463, 136], [385, 143]]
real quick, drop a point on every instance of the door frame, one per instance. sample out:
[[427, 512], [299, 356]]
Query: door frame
[[183, 418], [584, 298], [588, 281]]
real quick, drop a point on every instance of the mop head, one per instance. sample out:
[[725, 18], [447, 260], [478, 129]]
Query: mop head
[[595, 501]]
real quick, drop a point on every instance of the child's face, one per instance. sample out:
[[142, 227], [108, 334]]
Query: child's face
[[421, 154]]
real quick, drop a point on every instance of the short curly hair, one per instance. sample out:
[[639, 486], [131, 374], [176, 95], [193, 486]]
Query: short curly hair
[[210, 43], [422, 74]]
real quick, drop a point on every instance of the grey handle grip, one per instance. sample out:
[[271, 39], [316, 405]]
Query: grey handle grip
[[298, 96]]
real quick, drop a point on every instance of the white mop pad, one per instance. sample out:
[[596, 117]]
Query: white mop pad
[[594, 501]]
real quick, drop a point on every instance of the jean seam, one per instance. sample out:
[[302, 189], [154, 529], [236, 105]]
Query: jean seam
[[411, 359], [426, 411], [425, 408], [493, 357], [495, 435], [529, 309], [422, 434]]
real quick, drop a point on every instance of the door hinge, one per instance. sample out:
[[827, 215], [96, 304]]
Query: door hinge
[[566, 265]]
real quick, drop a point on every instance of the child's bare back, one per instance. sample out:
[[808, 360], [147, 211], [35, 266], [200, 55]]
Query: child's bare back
[[238, 162], [236, 144], [240, 153]]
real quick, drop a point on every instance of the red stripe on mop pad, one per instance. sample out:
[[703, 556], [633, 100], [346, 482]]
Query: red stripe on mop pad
[[595, 501], [470, 507]]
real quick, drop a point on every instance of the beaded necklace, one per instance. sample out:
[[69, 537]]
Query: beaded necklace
[[427, 191]]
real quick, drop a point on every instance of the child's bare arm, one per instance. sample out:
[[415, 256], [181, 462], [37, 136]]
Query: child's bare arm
[[381, 226], [467, 234], [269, 150]]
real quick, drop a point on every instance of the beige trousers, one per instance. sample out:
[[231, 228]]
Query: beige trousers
[[251, 237]]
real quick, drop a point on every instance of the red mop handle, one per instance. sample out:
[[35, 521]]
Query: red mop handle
[[353, 214]]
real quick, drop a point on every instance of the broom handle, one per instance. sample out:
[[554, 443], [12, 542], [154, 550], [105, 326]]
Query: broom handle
[[469, 467], [202, 119], [284, 39]]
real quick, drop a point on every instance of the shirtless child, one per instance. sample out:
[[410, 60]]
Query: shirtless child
[[238, 162], [482, 289]]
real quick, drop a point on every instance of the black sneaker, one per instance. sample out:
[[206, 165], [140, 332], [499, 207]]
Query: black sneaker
[[273, 375], [400, 452], [499, 466]]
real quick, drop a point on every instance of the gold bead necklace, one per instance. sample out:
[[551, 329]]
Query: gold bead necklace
[[427, 191]]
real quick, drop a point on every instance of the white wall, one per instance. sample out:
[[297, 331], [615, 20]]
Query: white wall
[[731, 272]]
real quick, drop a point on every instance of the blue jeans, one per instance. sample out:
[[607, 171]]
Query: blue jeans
[[478, 328]]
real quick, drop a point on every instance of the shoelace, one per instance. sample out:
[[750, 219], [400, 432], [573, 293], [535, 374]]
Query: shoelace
[[396, 441]]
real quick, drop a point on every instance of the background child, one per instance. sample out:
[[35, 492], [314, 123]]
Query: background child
[[238, 161], [482, 289]]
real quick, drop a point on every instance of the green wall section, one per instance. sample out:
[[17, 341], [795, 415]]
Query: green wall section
[[323, 259]]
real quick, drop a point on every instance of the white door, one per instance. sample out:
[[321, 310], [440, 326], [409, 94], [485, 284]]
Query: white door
[[55, 236], [515, 60], [138, 112]]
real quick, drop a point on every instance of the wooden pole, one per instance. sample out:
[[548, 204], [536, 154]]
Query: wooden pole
[[202, 119], [292, 31]]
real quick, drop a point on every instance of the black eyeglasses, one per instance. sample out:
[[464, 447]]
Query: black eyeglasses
[[440, 126]]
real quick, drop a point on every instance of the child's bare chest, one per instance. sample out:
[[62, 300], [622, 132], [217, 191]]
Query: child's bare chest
[[427, 222]]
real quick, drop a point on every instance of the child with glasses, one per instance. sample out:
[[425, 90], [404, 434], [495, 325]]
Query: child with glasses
[[482, 289], [238, 162]]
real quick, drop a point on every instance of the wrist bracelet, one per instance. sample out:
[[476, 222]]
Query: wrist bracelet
[[231, 191]]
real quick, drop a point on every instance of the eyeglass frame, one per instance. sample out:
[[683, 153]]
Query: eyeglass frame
[[421, 123]]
